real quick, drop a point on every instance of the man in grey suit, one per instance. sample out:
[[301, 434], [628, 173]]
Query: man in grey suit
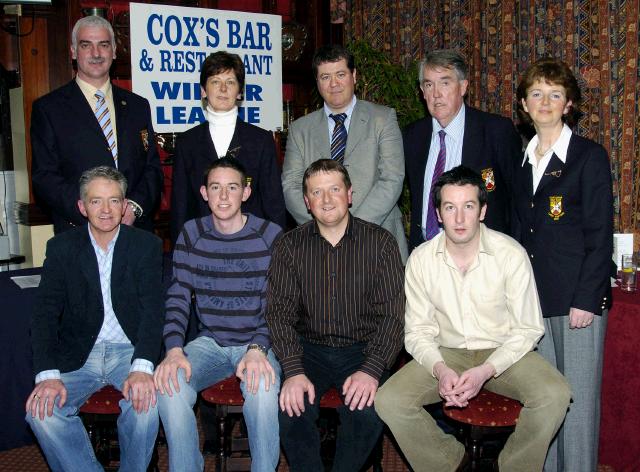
[[363, 136]]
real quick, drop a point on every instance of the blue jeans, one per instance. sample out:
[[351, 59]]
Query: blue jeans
[[62, 436], [211, 363]]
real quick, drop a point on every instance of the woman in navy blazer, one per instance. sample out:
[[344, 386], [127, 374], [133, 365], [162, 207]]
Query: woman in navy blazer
[[564, 217], [224, 134]]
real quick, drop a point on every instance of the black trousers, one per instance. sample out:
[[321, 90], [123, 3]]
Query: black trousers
[[358, 431]]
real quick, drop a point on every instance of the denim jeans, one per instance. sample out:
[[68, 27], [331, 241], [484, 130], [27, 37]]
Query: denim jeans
[[358, 431], [211, 363], [62, 436]]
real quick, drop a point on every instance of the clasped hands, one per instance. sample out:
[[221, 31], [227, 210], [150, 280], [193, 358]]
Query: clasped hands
[[457, 390]]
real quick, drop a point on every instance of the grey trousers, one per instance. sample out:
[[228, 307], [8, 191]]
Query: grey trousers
[[578, 354], [542, 390]]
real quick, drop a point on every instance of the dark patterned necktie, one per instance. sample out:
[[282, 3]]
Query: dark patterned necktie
[[339, 137], [432, 228], [104, 120]]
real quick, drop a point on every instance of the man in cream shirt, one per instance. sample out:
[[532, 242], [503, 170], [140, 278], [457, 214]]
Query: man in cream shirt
[[472, 320]]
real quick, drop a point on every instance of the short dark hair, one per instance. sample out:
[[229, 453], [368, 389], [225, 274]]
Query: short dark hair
[[331, 53], [226, 163], [101, 172], [460, 175], [219, 62], [325, 165], [550, 71]]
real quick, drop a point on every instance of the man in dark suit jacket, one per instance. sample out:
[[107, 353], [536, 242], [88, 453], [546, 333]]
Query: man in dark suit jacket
[[97, 321], [66, 138], [487, 143]]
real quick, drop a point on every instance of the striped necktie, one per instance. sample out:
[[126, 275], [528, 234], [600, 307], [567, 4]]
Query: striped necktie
[[339, 137], [104, 120], [432, 228]]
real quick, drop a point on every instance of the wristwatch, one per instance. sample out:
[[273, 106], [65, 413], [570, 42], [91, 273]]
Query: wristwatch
[[263, 349], [137, 209]]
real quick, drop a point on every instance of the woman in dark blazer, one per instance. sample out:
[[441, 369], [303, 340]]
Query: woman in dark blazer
[[564, 214], [224, 134]]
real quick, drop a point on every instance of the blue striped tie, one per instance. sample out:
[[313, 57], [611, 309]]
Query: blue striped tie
[[432, 228], [339, 137], [104, 120]]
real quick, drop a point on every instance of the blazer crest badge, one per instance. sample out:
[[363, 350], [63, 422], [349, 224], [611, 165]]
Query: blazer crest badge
[[489, 179], [555, 207]]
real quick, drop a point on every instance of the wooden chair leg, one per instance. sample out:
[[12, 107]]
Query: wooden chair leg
[[221, 414], [475, 436]]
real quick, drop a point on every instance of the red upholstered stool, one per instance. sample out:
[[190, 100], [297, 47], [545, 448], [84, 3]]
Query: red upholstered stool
[[487, 415], [100, 413], [233, 452]]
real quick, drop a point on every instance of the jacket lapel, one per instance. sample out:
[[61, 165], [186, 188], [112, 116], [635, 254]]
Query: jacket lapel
[[237, 139], [120, 260], [208, 149], [122, 112], [552, 173], [320, 131], [89, 265], [525, 173], [357, 129], [80, 108], [472, 139], [423, 146]]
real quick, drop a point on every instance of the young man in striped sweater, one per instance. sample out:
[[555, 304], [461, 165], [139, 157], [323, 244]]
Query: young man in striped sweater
[[222, 261]]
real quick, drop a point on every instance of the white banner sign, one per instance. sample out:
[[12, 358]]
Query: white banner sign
[[169, 44]]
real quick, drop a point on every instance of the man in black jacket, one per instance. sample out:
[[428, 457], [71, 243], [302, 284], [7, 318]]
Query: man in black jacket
[[90, 122], [97, 321]]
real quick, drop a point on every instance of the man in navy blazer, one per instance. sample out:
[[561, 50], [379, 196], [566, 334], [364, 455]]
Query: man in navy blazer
[[484, 142], [66, 138], [97, 321]]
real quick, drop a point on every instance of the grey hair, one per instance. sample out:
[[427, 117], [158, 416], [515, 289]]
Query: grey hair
[[445, 58], [92, 21], [101, 172]]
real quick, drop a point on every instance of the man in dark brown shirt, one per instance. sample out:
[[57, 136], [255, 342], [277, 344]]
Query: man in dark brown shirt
[[335, 309]]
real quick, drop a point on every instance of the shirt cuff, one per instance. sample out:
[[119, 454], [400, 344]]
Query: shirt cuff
[[261, 339], [53, 374], [373, 366], [141, 365], [173, 341], [292, 366]]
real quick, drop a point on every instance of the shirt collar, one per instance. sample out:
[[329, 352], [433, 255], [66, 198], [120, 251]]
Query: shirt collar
[[351, 230], [559, 148], [94, 243], [484, 246], [455, 128], [348, 111], [90, 90]]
